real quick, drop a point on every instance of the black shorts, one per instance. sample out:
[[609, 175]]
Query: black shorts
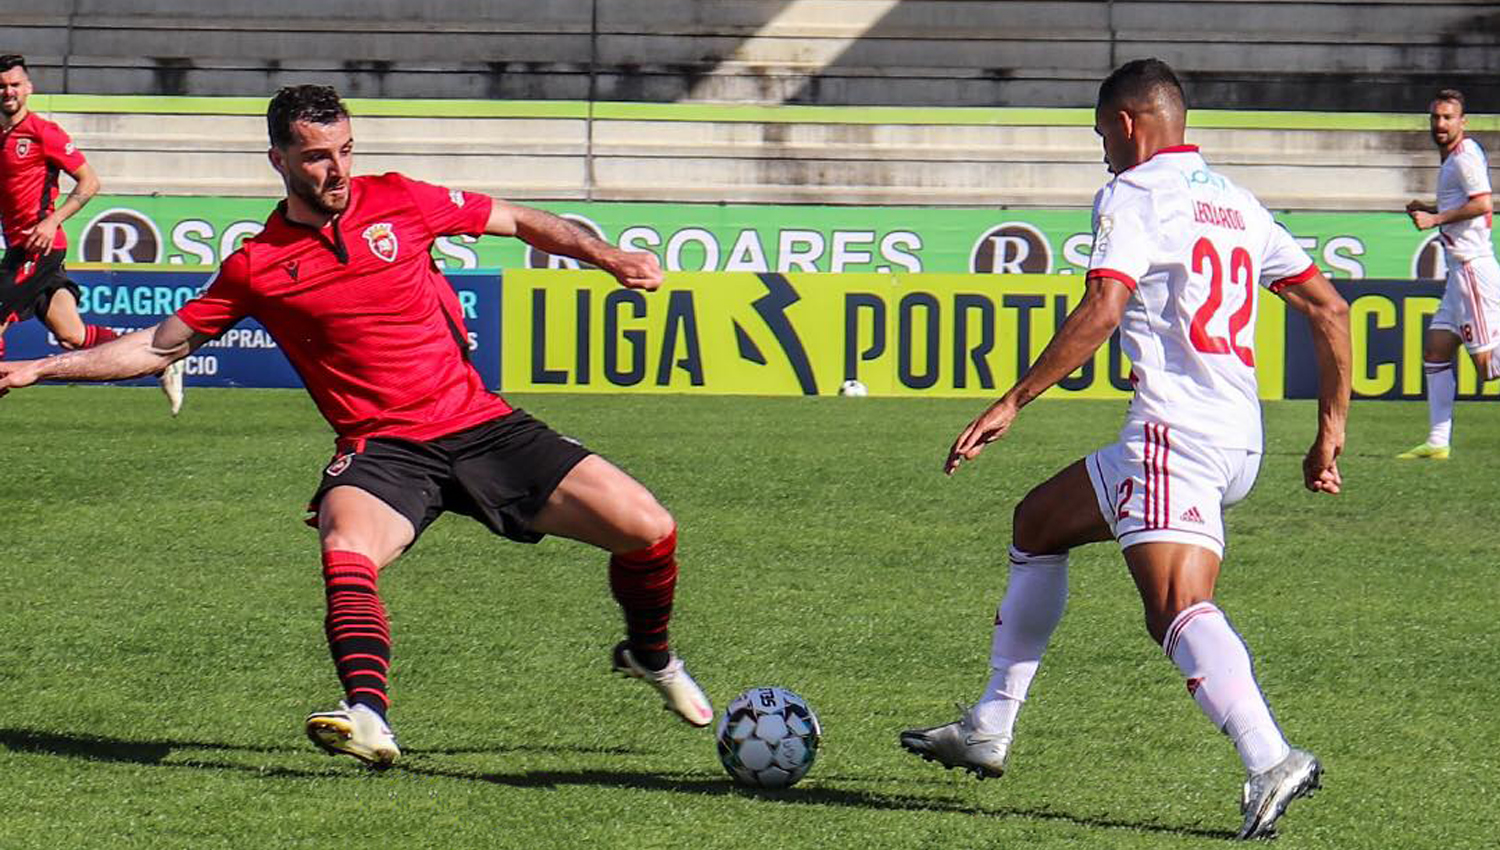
[[32, 296], [501, 473]]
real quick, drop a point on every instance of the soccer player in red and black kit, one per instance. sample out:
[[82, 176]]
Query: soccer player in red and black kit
[[32, 282], [343, 278]]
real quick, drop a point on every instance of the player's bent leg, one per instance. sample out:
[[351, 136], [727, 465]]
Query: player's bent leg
[[1051, 519], [598, 503], [360, 534], [1059, 514], [1176, 582], [62, 318]]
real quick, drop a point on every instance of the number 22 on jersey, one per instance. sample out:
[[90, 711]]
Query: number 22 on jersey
[[1208, 263]]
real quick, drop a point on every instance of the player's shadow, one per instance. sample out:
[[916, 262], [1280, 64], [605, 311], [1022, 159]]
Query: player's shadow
[[156, 753], [817, 795]]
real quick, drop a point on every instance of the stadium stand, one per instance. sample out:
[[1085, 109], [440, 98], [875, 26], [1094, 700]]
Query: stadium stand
[[681, 100], [1332, 55]]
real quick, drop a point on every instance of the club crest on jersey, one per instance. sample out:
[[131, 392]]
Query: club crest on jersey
[[382, 239], [23, 147], [339, 464]]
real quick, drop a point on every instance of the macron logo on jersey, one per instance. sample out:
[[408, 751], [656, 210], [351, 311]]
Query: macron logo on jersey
[[456, 197]]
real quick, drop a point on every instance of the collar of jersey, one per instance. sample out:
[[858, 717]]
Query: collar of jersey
[[19, 124], [1170, 149], [335, 224]]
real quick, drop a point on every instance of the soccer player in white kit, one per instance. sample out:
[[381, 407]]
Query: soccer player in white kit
[[1470, 310], [1179, 255]]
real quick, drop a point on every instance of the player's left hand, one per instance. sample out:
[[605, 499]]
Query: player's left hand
[[39, 237], [987, 428], [1320, 469], [635, 269], [1423, 219]]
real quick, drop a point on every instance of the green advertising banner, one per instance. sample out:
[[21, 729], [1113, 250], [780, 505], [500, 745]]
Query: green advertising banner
[[190, 231]]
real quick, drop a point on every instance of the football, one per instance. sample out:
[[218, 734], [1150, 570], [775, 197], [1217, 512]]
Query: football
[[853, 389], [768, 737]]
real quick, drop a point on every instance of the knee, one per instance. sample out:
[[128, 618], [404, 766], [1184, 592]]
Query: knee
[[645, 524], [1161, 614], [1029, 529], [71, 342]]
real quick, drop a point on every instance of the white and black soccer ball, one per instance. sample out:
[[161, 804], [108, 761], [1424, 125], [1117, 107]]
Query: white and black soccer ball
[[768, 737], [853, 389]]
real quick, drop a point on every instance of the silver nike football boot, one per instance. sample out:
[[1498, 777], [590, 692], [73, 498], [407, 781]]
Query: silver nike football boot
[[957, 744], [1267, 794]]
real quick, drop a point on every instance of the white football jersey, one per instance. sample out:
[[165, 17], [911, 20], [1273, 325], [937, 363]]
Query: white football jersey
[[1194, 249], [1464, 174]]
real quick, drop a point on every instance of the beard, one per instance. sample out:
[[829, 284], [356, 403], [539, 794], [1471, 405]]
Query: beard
[[319, 198], [10, 107]]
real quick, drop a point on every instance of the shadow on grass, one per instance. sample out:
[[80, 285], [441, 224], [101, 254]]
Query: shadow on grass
[[155, 753]]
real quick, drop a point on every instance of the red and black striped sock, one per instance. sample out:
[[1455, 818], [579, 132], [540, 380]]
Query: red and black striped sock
[[358, 636], [643, 582], [97, 335]]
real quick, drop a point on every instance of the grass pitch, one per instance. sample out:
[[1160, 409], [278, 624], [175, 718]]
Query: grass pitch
[[161, 639]]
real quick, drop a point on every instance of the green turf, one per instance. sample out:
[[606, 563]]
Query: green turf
[[162, 639]]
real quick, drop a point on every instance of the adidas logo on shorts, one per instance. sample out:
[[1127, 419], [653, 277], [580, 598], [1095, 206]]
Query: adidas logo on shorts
[[1192, 515]]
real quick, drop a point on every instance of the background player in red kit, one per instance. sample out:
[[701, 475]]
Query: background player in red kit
[[32, 282], [342, 276]]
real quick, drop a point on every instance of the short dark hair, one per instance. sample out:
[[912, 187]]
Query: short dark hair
[[313, 104], [13, 60], [1139, 81], [1453, 95]]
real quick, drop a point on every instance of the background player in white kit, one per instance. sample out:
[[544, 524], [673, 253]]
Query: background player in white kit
[[1178, 255], [1470, 310]]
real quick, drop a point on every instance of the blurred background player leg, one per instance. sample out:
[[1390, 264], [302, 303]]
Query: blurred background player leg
[[56, 303], [1438, 350]]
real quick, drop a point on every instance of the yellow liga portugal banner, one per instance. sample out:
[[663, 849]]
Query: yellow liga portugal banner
[[805, 334]]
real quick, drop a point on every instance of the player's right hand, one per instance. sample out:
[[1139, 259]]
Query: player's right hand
[[15, 374], [987, 428], [1320, 469]]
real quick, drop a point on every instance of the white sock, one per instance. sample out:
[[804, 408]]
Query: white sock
[[1221, 679], [1035, 596], [1442, 385]]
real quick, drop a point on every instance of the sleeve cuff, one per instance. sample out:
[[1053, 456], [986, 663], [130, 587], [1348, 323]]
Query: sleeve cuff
[[1300, 277], [1114, 275]]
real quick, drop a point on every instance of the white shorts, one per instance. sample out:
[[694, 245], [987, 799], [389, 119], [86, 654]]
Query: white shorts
[[1157, 484], [1471, 304]]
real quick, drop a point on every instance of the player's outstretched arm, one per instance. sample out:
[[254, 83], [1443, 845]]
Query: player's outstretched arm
[[1086, 328], [142, 352], [1328, 314], [556, 235]]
